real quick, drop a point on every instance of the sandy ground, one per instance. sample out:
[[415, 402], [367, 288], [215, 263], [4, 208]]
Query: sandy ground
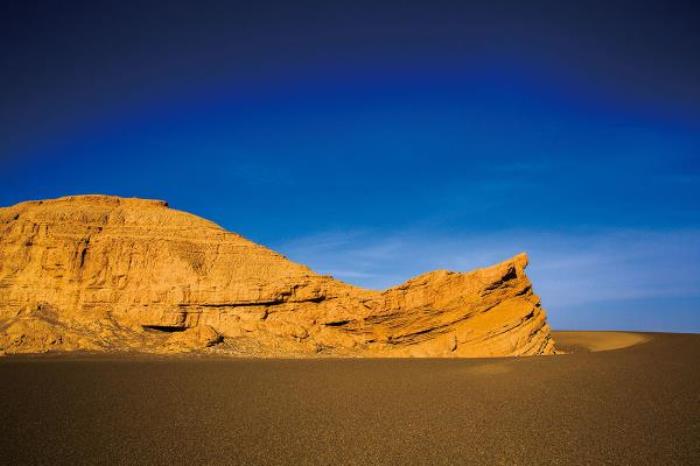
[[634, 405]]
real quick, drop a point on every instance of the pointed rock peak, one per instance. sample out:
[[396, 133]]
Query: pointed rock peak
[[521, 260]]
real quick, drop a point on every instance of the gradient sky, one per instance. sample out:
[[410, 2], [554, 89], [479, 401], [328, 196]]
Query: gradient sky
[[376, 141]]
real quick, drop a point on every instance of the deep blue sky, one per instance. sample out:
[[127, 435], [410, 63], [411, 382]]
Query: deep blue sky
[[375, 141]]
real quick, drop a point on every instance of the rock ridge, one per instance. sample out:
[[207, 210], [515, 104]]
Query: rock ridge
[[105, 273]]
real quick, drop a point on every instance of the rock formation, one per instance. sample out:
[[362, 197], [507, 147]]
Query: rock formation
[[103, 273]]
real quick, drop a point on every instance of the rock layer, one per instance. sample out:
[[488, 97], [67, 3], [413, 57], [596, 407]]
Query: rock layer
[[104, 273]]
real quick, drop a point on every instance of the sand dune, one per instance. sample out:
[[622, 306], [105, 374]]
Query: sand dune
[[597, 341]]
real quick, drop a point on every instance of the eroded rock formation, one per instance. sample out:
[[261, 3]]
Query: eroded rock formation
[[105, 273]]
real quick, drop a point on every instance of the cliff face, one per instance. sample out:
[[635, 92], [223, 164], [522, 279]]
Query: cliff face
[[106, 273]]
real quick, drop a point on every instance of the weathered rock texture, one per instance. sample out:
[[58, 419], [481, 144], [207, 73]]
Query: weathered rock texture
[[106, 273]]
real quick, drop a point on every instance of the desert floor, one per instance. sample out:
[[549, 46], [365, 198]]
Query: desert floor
[[637, 404]]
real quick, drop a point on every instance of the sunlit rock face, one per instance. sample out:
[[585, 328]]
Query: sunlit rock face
[[104, 273]]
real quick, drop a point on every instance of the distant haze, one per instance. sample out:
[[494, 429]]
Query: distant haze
[[374, 141]]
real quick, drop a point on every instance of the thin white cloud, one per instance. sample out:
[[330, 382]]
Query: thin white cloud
[[567, 269]]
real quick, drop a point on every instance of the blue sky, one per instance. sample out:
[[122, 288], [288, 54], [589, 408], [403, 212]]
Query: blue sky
[[394, 147]]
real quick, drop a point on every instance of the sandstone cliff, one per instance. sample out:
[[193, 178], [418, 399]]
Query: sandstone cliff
[[104, 273]]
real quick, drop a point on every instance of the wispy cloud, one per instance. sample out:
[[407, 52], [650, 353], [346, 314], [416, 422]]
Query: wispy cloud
[[569, 271]]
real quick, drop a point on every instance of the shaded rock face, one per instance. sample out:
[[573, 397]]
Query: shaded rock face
[[105, 273]]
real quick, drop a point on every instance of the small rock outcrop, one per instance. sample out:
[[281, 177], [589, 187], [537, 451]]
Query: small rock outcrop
[[103, 273]]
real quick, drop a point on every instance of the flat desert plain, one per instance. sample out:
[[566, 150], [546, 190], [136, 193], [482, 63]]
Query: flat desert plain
[[617, 398]]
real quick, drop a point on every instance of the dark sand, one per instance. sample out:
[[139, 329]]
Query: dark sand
[[637, 405]]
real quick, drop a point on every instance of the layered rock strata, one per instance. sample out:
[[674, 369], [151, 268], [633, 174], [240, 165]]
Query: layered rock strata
[[103, 273]]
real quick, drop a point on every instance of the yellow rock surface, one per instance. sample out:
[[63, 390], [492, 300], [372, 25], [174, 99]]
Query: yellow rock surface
[[103, 273]]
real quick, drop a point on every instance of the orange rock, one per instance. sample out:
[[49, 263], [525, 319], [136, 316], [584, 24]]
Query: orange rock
[[107, 273]]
